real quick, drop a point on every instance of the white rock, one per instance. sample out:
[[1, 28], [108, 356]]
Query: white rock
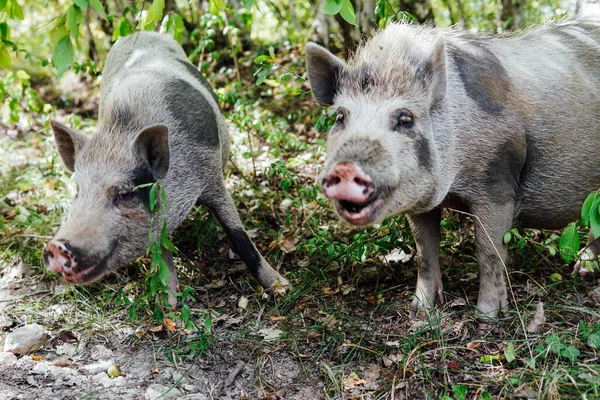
[[66, 349], [100, 366], [176, 376], [194, 396], [100, 352], [119, 381], [25, 339], [41, 368], [156, 391], [7, 358], [103, 379]]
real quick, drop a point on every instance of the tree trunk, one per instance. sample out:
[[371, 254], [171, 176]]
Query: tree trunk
[[292, 9], [510, 14], [92, 50], [365, 15], [319, 29], [349, 34], [461, 14]]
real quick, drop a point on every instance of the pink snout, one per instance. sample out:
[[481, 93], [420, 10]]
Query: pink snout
[[348, 182], [59, 258]]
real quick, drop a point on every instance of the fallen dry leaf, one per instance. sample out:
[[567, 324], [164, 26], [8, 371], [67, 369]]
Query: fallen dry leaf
[[352, 380], [538, 319], [243, 303], [392, 359], [217, 284], [327, 321], [473, 345], [270, 333], [453, 366], [63, 362], [288, 244], [169, 324]]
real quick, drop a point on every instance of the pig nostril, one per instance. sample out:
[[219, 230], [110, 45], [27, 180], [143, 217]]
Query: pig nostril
[[332, 181]]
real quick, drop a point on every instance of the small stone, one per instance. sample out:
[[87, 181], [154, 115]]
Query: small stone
[[41, 368], [156, 391], [103, 379], [7, 358], [194, 396], [66, 349], [100, 366], [100, 352], [119, 381], [176, 376], [189, 387], [25, 339]]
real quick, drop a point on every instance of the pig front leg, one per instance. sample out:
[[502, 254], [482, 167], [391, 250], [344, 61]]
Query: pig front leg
[[426, 232], [221, 204], [492, 221]]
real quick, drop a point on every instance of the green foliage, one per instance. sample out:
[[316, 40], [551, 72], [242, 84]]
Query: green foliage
[[9, 10], [509, 353], [386, 13], [343, 7], [153, 15], [569, 243], [554, 344]]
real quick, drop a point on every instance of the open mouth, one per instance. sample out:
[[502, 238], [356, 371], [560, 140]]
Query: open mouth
[[360, 213], [90, 273]]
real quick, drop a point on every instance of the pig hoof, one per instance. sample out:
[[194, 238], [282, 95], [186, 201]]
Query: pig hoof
[[280, 286], [419, 313]]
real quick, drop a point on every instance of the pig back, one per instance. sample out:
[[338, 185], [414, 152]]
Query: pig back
[[148, 78], [558, 80], [532, 106]]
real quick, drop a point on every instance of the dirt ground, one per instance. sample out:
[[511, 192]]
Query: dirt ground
[[73, 362]]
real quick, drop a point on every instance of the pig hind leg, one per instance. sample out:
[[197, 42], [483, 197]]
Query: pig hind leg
[[221, 204], [426, 232], [591, 253]]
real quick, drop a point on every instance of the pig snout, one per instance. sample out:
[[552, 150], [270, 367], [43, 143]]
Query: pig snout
[[348, 182], [59, 257]]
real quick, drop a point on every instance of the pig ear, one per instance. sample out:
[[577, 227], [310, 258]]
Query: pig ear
[[69, 143], [152, 146], [438, 70], [323, 72]]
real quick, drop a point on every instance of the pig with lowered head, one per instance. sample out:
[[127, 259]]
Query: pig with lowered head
[[158, 119], [506, 128]]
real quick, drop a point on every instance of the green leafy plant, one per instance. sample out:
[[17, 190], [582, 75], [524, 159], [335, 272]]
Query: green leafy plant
[[342, 7], [570, 244], [9, 10], [556, 345]]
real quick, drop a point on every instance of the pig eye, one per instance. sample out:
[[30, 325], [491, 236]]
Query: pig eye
[[123, 197], [403, 119]]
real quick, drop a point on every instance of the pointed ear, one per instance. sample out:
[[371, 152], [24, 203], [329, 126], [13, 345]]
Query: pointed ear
[[323, 72], [438, 70], [69, 143], [152, 146]]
